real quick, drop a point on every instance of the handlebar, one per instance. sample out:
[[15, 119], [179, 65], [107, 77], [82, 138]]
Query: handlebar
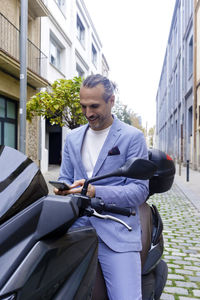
[[100, 206], [95, 206]]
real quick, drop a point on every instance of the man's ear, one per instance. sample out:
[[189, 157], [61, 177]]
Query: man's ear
[[112, 100]]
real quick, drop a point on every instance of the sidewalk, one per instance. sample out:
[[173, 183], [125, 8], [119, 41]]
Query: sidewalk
[[52, 174], [190, 188]]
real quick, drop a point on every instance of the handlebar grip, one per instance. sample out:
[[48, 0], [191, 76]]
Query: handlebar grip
[[125, 211], [100, 206]]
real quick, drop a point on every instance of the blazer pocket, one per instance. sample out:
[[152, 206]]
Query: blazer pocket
[[112, 162]]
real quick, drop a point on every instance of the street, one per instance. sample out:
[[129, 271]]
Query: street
[[182, 244]]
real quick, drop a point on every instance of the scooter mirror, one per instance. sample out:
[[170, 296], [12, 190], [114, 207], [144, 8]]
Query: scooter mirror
[[137, 168]]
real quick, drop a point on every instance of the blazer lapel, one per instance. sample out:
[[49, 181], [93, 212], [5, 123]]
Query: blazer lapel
[[78, 145], [113, 135]]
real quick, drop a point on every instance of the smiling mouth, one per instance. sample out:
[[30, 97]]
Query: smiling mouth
[[92, 120]]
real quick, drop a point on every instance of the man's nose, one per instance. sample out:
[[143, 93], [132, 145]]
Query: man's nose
[[88, 112]]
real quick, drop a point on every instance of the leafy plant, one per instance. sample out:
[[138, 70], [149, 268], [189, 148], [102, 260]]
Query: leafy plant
[[127, 115], [61, 104]]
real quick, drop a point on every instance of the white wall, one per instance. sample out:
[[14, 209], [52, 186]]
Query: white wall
[[62, 26]]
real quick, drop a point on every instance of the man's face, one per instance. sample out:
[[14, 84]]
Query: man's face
[[94, 107]]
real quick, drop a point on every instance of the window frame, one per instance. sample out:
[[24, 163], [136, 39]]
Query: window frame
[[61, 5], [9, 120], [79, 70], [57, 65], [190, 57], [80, 30], [94, 55]]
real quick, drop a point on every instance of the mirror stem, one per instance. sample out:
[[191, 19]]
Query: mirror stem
[[85, 187], [90, 180]]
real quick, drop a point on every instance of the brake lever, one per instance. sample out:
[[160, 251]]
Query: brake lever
[[92, 212]]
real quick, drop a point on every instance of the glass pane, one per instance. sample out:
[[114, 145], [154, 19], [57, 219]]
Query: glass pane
[[2, 107], [0, 135], [9, 134], [11, 110], [52, 53]]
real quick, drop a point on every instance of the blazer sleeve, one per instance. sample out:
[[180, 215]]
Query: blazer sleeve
[[66, 169], [132, 192]]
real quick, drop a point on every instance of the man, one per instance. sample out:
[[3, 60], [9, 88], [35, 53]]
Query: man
[[99, 147]]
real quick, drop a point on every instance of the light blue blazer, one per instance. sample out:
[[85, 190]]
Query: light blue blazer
[[122, 191]]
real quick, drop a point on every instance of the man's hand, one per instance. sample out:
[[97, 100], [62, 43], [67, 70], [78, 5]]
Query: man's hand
[[76, 188]]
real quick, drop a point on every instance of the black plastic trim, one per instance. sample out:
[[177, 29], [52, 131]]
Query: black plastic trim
[[5, 183], [1, 149]]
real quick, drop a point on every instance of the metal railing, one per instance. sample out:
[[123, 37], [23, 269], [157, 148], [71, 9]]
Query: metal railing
[[10, 41]]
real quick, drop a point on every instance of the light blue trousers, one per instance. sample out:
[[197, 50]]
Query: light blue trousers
[[121, 270]]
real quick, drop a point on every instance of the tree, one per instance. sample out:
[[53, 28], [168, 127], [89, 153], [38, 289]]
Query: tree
[[127, 115], [121, 111], [136, 121], [151, 135], [61, 105]]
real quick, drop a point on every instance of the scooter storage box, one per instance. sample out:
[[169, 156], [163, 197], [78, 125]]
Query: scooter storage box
[[164, 176], [21, 182]]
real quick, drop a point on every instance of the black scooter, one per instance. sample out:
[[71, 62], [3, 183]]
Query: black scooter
[[39, 260]]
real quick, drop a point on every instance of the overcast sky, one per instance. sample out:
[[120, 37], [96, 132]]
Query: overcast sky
[[134, 35]]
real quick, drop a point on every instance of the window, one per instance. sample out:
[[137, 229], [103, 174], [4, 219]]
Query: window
[[199, 115], [61, 4], [80, 31], [94, 55], [190, 57], [8, 122], [79, 71], [55, 52]]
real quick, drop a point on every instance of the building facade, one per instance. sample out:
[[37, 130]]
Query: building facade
[[197, 83], [73, 47], [10, 71], [176, 111], [62, 43]]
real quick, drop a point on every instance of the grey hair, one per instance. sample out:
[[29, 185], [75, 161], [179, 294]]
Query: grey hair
[[93, 80]]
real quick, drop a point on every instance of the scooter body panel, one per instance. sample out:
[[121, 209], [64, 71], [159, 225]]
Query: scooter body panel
[[21, 182], [56, 266], [19, 234]]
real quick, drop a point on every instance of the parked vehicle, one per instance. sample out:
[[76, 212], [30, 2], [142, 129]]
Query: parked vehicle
[[40, 259]]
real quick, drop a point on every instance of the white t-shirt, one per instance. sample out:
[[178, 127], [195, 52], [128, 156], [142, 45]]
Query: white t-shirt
[[92, 144]]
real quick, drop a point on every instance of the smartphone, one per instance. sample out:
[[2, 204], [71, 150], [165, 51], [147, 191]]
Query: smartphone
[[61, 186]]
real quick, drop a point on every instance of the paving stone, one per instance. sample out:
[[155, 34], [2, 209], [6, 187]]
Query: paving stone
[[174, 257], [193, 268], [175, 276], [179, 254], [189, 251], [192, 259], [195, 279], [176, 290], [173, 266], [185, 272], [172, 249], [183, 262], [167, 297], [187, 298], [186, 284], [196, 293]]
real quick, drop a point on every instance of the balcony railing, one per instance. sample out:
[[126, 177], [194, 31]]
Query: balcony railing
[[10, 41]]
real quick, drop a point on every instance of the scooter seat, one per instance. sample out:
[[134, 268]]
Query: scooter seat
[[146, 226]]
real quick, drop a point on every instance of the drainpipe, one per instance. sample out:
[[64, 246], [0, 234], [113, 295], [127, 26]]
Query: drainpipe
[[194, 84], [23, 74]]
